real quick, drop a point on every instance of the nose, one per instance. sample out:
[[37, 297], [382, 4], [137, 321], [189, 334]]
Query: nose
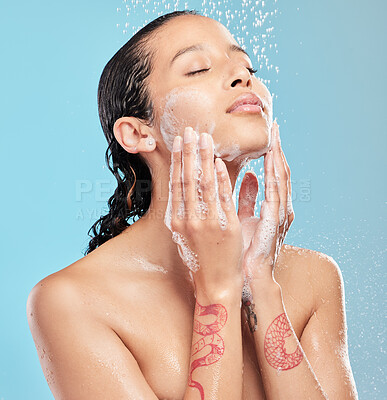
[[239, 76]]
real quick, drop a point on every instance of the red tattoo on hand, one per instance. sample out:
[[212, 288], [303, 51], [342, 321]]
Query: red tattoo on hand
[[274, 345], [210, 338]]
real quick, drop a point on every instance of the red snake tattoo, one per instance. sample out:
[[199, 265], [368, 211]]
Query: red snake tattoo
[[274, 345], [210, 338]]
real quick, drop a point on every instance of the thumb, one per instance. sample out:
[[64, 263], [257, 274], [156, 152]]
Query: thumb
[[247, 195]]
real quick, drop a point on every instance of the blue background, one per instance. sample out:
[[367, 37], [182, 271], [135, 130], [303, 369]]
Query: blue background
[[330, 103]]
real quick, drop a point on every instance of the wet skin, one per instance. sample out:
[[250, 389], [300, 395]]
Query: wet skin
[[123, 315]]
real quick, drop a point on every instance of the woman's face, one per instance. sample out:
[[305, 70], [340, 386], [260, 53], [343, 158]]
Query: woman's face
[[201, 100]]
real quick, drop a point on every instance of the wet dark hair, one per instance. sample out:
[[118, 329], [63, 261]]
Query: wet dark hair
[[123, 92]]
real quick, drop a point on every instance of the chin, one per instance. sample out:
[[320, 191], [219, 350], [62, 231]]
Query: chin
[[244, 148], [255, 139], [249, 138], [256, 152]]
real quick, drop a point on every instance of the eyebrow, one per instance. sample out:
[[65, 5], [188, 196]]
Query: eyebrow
[[198, 47]]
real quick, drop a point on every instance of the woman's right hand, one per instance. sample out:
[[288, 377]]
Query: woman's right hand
[[204, 220]]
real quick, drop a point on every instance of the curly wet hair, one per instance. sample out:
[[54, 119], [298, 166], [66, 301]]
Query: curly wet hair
[[123, 92]]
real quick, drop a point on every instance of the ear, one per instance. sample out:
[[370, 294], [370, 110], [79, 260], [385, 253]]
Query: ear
[[133, 135]]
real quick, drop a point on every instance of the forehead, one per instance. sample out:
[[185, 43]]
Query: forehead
[[189, 30]]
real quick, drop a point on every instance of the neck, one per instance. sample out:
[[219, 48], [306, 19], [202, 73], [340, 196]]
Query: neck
[[150, 232]]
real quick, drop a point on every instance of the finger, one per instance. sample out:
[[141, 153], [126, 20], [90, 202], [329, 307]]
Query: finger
[[281, 173], [271, 184], [267, 232], [263, 245], [207, 181], [287, 170], [176, 183], [189, 171], [247, 196], [289, 205], [263, 242], [285, 163], [225, 189]]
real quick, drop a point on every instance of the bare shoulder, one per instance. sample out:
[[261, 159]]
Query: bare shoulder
[[311, 261], [57, 287], [80, 291], [74, 278], [55, 295], [299, 267], [64, 289], [324, 334], [77, 346]]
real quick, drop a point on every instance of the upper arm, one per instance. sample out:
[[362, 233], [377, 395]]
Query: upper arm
[[81, 357], [324, 338]]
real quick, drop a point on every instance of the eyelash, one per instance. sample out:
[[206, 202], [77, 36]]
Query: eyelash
[[198, 72], [251, 70]]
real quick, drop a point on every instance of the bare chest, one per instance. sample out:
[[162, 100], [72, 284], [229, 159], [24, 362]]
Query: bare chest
[[155, 323]]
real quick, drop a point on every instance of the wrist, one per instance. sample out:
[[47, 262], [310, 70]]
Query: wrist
[[264, 290], [219, 293]]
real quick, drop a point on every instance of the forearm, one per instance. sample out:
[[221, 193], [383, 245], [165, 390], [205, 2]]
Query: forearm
[[216, 354], [286, 373]]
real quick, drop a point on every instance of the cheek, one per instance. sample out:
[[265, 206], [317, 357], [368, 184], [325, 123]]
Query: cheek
[[185, 107]]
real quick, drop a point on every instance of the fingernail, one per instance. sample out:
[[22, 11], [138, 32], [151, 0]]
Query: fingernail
[[203, 141], [177, 144], [188, 135]]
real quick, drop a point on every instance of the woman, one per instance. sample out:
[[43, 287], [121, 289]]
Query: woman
[[153, 311]]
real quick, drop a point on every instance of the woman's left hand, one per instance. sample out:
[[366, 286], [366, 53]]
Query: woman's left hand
[[264, 236]]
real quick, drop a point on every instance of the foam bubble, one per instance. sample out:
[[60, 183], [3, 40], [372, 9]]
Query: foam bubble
[[290, 205], [263, 242], [281, 214], [189, 258], [246, 291], [148, 266], [173, 121], [222, 218], [227, 153]]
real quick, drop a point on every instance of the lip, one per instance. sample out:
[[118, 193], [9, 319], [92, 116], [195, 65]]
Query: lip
[[246, 102]]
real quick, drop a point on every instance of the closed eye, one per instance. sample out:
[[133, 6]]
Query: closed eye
[[251, 70], [198, 71]]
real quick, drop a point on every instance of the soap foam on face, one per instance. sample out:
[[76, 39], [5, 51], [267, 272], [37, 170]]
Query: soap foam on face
[[173, 120], [173, 123], [227, 153]]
